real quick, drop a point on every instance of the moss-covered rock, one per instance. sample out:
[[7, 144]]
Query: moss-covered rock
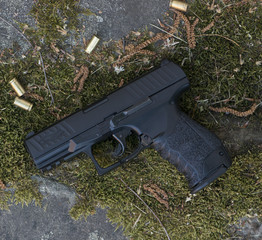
[[205, 215], [224, 70]]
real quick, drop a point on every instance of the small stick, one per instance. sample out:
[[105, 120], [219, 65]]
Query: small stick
[[137, 221], [124, 45], [217, 35], [213, 117], [130, 189], [140, 209], [97, 70], [46, 81], [16, 30], [168, 33]]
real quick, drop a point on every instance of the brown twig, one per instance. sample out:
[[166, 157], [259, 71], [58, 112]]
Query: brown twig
[[131, 50], [192, 42], [235, 112], [177, 19], [35, 96], [147, 52], [140, 48], [82, 79], [121, 83], [162, 25], [187, 23], [130, 189], [159, 194], [2, 185], [125, 58], [129, 47], [81, 76], [56, 115], [190, 29], [159, 36], [208, 27]]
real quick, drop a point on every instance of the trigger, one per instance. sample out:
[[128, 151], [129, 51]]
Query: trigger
[[120, 149]]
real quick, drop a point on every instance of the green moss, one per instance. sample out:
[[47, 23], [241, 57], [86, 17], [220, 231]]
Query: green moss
[[217, 68], [4, 199], [205, 216], [26, 191], [55, 20]]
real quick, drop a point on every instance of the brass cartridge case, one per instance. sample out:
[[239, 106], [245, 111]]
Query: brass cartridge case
[[17, 87], [92, 44], [178, 5], [23, 104]]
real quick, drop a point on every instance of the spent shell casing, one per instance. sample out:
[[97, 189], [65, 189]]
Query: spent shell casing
[[178, 5], [92, 44], [17, 87], [23, 104]]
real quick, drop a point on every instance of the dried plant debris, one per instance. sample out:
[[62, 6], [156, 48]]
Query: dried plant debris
[[208, 27], [2, 185], [81, 76], [168, 31], [159, 194], [190, 28], [235, 112], [29, 95], [34, 96], [131, 49]]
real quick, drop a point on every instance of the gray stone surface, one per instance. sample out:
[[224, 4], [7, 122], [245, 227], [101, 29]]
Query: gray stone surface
[[247, 228], [52, 221], [14, 11], [112, 19], [116, 18]]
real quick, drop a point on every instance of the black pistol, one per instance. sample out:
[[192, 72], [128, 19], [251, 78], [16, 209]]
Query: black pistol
[[147, 108]]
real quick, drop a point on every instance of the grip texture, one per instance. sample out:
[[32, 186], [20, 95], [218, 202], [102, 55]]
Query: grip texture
[[194, 151]]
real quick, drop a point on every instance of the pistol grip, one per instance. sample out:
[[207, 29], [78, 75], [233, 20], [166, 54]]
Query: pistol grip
[[194, 151]]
